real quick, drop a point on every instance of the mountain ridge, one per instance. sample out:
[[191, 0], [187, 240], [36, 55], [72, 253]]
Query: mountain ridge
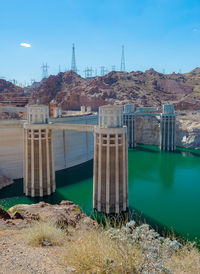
[[149, 88]]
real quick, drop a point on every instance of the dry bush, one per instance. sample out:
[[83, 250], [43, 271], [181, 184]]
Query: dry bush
[[44, 234], [94, 252], [186, 260], [14, 209]]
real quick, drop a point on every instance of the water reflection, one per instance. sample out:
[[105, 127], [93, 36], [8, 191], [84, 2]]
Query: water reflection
[[167, 169]]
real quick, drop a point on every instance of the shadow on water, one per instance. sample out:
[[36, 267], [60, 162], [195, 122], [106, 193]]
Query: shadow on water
[[16, 189], [141, 147], [74, 174], [63, 178]]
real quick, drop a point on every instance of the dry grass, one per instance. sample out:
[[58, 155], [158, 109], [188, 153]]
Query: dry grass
[[186, 260], [44, 234], [94, 252], [14, 209]]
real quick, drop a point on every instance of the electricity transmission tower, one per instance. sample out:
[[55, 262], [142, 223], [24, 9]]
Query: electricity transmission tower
[[103, 70], [122, 61], [88, 72], [113, 68], [44, 70], [73, 65]]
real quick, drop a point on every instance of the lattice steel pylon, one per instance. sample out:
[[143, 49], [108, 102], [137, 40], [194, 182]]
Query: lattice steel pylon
[[73, 65], [44, 70], [122, 68]]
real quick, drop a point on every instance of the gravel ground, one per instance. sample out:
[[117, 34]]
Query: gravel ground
[[17, 257]]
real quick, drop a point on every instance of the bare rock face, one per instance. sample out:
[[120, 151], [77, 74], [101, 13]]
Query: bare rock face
[[9, 92], [63, 215], [4, 214], [188, 132], [147, 130], [148, 88]]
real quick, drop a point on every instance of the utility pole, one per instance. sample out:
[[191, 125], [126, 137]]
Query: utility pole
[[73, 65], [123, 68], [88, 72], [103, 70], [44, 70]]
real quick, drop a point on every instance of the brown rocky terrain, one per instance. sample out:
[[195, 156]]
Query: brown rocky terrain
[[148, 88], [10, 92], [17, 257], [44, 238]]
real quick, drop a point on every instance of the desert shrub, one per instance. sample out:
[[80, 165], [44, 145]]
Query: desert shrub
[[93, 251], [14, 209], [186, 260], [44, 234]]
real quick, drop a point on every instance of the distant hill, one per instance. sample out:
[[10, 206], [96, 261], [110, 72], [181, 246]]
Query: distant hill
[[148, 88], [10, 93]]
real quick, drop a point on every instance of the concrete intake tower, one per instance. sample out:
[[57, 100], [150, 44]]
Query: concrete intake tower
[[168, 128], [110, 182], [39, 172], [129, 120]]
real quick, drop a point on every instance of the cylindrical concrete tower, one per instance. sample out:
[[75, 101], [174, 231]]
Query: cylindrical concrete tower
[[130, 122], [110, 181], [168, 128], [39, 172]]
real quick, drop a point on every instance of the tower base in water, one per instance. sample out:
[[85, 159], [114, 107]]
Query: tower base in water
[[110, 182]]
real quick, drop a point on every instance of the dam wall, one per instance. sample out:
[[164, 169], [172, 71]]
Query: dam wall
[[11, 148], [70, 148]]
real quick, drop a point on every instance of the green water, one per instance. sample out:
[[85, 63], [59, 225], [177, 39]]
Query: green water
[[164, 188]]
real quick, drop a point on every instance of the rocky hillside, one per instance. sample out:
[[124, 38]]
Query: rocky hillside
[[148, 88], [9, 91]]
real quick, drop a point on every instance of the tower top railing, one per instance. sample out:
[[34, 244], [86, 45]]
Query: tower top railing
[[110, 116], [129, 108], [168, 109], [37, 114]]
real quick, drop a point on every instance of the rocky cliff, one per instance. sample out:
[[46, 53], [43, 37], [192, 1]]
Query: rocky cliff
[[148, 88], [9, 92], [187, 130]]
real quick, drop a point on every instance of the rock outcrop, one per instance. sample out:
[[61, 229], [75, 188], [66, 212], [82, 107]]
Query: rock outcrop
[[63, 215], [187, 131], [148, 88], [10, 92]]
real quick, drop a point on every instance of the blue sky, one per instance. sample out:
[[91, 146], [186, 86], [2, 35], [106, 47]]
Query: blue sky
[[163, 34]]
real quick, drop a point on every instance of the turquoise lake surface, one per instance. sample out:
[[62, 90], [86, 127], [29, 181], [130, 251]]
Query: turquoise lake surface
[[164, 188]]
